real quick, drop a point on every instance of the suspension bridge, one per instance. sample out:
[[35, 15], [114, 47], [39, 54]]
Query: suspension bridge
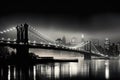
[[22, 43]]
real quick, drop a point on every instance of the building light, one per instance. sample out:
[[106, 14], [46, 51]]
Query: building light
[[82, 35], [106, 38]]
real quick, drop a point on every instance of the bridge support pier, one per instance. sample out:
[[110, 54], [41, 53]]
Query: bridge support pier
[[22, 50], [87, 57], [22, 53]]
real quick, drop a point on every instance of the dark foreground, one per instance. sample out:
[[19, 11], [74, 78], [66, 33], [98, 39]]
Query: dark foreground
[[31, 61], [82, 70]]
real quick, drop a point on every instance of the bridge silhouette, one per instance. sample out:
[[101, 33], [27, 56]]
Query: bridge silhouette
[[22, 43]]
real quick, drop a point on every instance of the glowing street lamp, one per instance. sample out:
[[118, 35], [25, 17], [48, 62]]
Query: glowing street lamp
[[1, 32], [29, 41], [2, 38], [41, 42], [8, 39], [8, 30], [13, 28], [34, 41], [14, 39], [4, 31], [49, 43], [33, 28]]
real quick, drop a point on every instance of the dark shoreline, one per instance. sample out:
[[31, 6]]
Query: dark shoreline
[[36, 61]]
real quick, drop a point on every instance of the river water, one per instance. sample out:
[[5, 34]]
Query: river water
[[82, 70]]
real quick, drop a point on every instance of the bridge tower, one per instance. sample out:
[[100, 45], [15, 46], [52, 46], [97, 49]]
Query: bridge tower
[[22, 38], [22, 33], [88, 56], [26, 33], [18, 33]]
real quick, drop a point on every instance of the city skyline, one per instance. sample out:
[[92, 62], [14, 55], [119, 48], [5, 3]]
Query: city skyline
[[62, 28]]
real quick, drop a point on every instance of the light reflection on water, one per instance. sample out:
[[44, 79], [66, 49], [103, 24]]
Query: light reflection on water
[[107, 69], [84, 69]]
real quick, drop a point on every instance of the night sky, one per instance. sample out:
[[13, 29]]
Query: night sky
[[94, 20]]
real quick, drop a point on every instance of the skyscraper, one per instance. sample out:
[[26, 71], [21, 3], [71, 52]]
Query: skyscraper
[[107, 43], [82, 38]]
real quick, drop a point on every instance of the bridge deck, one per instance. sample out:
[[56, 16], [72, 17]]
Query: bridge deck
[[13, 44]]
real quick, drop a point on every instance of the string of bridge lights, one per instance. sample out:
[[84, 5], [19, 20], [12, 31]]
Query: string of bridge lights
[[14, 28], [73, 48], [35, 42], [82, 44], [7, 30], [44, 44], [50, 42], [41, 42]]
